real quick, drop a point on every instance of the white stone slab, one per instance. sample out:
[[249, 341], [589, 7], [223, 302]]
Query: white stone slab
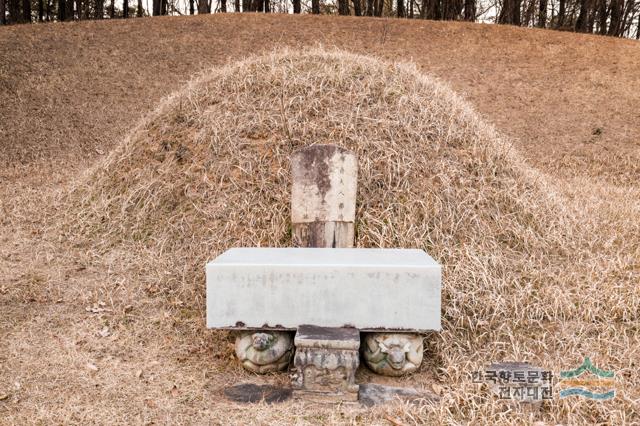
[[370, 289]]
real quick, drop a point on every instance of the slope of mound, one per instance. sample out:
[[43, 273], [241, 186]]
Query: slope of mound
[[209, 170], [70, 91]]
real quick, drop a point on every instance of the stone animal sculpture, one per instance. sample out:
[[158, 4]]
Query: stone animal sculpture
[[393, 354], [264, 351]]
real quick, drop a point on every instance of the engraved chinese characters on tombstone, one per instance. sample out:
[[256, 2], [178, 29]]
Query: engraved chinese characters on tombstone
[[323, 196]]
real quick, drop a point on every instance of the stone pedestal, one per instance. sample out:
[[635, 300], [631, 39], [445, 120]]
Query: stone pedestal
[[325, 364], [393, 354], [264, 351]]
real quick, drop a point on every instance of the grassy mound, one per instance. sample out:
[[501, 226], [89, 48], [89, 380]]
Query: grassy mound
[[526, 277]]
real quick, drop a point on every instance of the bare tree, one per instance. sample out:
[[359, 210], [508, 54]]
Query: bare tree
[[510, 12], [204, 6], [400, 9], [542, 14], [26, 11], [3, 12], [61, 10], [99, 9], [616, 16], [581, 22], [357, 7], [470, 10], [343, 7]]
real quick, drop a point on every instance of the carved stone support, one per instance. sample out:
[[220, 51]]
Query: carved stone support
[[325, 364], [264, 351], [393, 354]]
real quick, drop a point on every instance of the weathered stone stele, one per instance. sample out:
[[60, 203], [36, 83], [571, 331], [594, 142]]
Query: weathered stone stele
[[323, 196], [284, 288], [325, 362]]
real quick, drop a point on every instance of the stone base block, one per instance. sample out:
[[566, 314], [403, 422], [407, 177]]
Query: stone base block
[[325, 363]]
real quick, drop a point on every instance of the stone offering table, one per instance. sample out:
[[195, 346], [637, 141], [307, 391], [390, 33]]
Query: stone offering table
[[284, 288]]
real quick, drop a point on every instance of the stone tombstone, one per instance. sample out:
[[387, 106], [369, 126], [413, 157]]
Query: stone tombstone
[[323, 196]]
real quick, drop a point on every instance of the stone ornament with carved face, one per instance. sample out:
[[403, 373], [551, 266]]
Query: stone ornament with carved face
[[393, 354], [264, 351]]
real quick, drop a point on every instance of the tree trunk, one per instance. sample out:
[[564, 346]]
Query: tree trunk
[[510, 13], [591, 16], [626, 21], [343, 7], [69, 12], [542, 14], [26, 11], [451, 9], [223, 6], [99, 12], [470, 10], [562, 13], [40, 10], [369, 11], [267, 6], [529, 13], [378, 8], [3, 12], [357, 7], [163, 7], [204, 7], [616, 13], [431, 9], [62, 8], [603, 14], [125, 9], [581, 22], [400, 9], [315, 7], [112, 10], [297, 6], [140, 9], [13, 7]]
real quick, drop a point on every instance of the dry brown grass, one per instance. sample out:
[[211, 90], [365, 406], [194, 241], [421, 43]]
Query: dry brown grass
[[530, 273], [71, 91]]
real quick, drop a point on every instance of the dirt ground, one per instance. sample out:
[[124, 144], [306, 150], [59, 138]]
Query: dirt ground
[[77, 346]]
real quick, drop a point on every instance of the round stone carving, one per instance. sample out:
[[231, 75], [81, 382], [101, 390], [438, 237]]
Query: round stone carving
[[264, 351], [393, 354]]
